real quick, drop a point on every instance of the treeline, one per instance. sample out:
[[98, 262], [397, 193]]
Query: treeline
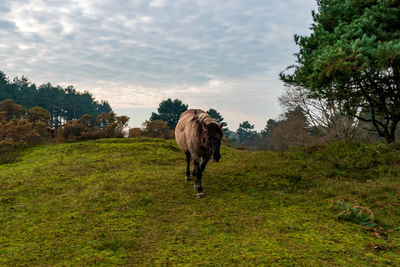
[[345, 83], [162, 124], [294, 129], [296, 126], [63, 104], [21, 127]]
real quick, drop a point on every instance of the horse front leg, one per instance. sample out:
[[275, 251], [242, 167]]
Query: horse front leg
[[197, 168], [187, 177], [204, 163]]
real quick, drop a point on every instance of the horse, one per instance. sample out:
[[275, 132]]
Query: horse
[[199, 136]]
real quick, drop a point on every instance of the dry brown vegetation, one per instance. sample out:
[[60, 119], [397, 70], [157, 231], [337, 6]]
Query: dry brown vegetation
[[20, 127], [153, 129], [89, 128]]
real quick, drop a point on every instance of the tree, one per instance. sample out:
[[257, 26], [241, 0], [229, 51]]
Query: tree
[[216, 116], [5, 90], [103, 106], [269, 128], [218, 119], [291, 131], [157, 129], [25, 92], [245, 131], [169, 111], [328, 117], [63, 104], [353, 56], [113, 125]]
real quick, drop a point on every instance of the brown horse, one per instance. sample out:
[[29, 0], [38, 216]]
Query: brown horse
[[200, 138]]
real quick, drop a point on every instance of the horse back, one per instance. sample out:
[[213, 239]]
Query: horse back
[[187, 132]]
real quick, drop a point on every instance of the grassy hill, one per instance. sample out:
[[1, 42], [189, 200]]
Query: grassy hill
[[125, 201]]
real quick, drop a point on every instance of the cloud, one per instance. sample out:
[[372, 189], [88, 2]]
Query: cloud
[[158, 3], [221, 53]]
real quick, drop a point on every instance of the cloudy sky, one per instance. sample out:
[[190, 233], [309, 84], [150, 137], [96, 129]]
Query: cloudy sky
[[216, 54]]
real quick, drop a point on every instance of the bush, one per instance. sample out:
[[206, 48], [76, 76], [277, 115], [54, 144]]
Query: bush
[[135, 132], [22, 130], [153, 129], [88, 128]]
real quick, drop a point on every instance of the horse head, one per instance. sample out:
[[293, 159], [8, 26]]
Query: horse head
[[212, 139]]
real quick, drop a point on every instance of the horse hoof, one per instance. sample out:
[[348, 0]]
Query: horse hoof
[[187, 179], [200, 195]]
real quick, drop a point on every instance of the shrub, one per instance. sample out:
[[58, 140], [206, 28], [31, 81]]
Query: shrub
[[22, 130], [135, 132], [157, 129], [153, 129], [38, 114], [87, 128], [11, 110]]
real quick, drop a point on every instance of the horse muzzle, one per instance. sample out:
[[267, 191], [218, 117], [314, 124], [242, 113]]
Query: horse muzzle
[[216, 158]]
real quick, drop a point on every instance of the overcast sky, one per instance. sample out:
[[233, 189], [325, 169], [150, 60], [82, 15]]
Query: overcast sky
[[216, 54]]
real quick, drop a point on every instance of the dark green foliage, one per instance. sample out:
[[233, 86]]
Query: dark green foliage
[[353, 56], [62, 103], [245, 132], [219, 119], [169, 111], [269, 128], [216, 116], [354, 213]]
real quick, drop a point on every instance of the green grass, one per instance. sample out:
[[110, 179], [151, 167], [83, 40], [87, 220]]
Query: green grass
[[125, 202]]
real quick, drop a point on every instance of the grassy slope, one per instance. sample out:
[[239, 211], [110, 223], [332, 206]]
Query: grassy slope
[[126, 202]]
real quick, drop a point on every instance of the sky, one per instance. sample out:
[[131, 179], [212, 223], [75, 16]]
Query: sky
[[225, 55]]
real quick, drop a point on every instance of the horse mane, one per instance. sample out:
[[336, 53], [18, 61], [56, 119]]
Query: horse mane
[[199, 118]]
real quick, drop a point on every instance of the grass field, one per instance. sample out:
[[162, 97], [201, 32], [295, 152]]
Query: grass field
[[125, 202]]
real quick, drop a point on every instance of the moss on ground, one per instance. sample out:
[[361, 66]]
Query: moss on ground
[[124, 201]]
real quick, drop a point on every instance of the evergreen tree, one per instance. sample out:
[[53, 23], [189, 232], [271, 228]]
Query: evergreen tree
[[63, 104], [353, 55], [169, 111], [269, 128], [216, 116], [245, 131], [219, 119]]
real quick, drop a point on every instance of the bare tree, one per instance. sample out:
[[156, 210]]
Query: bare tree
[[291, 131], [328, 117]]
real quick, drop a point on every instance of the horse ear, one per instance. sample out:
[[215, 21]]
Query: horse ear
[[220, 126]]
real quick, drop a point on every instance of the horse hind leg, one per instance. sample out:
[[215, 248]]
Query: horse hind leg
[[187, 177]]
